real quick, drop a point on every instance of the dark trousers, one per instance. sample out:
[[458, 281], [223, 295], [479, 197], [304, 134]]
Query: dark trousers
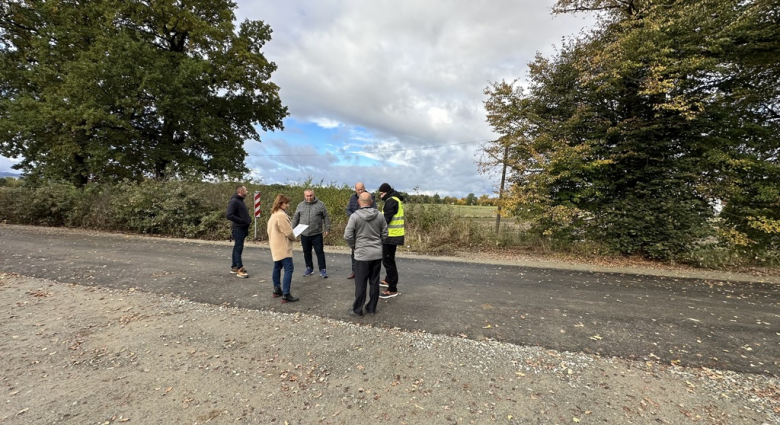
[[316, 242], [366, 272], [239, 234], [352, 257], [391, 272]]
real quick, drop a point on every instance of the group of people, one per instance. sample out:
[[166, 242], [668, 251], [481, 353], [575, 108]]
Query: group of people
[[372, 234]]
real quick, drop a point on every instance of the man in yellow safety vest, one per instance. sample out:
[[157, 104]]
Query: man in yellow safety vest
[[393, 210]]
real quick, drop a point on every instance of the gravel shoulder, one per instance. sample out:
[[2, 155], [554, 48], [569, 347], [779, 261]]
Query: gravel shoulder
[[78, 354]]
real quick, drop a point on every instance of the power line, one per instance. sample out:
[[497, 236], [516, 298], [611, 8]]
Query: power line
[[377, 151]]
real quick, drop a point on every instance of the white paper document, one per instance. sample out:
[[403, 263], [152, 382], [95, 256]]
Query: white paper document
[[299, 229]]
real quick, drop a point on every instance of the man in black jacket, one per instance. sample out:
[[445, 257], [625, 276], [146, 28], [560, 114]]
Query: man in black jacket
[[239, 215], [393, 210]]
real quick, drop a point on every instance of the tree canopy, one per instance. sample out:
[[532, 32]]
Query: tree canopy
[[105, 90], [633, 133]]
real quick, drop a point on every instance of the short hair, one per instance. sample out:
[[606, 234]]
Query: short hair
[[278, 201], [365, 198], [239, 187]]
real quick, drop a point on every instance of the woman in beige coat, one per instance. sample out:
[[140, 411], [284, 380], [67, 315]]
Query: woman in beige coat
[[281, 237]]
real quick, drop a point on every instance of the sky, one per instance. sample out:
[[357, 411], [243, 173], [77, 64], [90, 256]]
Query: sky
[[392, 90]]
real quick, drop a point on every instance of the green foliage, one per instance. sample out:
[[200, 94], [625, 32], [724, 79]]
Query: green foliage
[[440, 229], [718, 257], [193, 209], [10, 182], [107, 90], [48, 205], [172, 208], [631, 133]]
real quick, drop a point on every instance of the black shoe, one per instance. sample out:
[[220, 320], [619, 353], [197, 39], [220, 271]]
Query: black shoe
[[373, 313], [277, 292], [352, 313], [288, 298]]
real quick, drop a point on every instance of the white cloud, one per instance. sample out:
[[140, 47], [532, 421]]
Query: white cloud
[[326, 123], [391, 78], [400, 75]]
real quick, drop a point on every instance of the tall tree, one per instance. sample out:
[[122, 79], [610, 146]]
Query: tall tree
[[633, 132], [112, 89]]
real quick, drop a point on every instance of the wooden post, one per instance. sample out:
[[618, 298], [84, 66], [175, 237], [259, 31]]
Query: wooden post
[[501, 188]]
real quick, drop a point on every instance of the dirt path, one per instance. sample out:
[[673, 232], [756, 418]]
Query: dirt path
[[86, 355]]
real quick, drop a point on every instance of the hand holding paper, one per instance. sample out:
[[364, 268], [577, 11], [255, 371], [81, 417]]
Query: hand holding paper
[[299, 229]]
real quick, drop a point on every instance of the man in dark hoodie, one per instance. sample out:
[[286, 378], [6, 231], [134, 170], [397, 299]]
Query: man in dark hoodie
[[393, 210], [239, 216], [364, 233]]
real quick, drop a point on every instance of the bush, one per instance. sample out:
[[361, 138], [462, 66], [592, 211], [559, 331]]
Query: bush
[[437, 229], [47, 205], [11, 182], [175, 208], [193, 209]]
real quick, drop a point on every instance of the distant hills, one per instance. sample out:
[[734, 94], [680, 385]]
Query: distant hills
[[7, 174]]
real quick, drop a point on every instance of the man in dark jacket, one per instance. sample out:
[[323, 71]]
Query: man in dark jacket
[[351, 208], [393, 210], [238, 214], [364, 234]]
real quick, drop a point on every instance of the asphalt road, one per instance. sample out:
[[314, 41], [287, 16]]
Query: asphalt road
[[690, 322]]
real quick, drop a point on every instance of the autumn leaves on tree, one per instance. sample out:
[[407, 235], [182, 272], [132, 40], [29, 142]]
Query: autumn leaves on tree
[[640, 132]]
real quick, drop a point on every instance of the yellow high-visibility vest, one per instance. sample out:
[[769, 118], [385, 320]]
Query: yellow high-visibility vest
[[396, 226]]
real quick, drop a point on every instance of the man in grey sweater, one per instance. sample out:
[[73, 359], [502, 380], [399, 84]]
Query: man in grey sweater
[[353, 206], [313, 212], [364, 233]]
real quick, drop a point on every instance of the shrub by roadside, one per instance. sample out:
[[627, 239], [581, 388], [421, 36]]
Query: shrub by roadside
[[194, 209]]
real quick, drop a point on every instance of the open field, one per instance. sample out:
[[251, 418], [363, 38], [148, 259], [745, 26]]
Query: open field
[[484, 215], [474, 211]]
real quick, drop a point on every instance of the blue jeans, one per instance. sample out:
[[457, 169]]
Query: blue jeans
[[239, 234], [288, 272], [316, 242]]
